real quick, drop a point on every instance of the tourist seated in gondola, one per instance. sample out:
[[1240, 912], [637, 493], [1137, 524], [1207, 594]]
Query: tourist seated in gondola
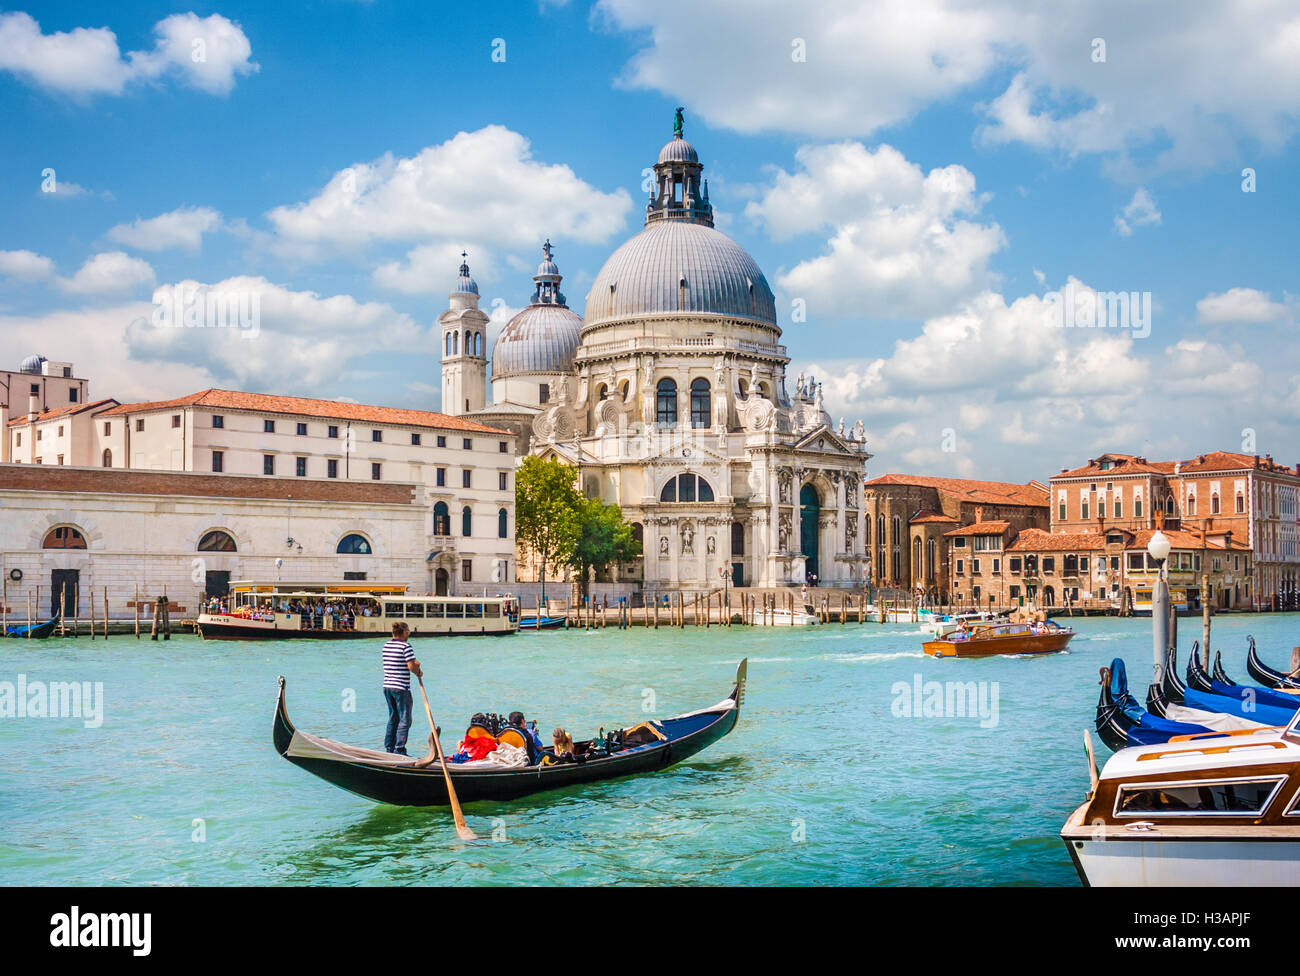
[[562, 749]]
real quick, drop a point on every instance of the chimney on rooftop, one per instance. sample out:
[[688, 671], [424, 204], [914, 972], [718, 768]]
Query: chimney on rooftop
[[33, 407], [979, 513]]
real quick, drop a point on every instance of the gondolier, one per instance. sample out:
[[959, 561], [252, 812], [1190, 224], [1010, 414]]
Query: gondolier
[[399, 664]]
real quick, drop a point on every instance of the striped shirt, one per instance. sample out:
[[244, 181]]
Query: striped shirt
[[397, 676]]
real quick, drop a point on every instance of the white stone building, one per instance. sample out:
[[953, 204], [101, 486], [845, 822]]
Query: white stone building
[[671, 398]]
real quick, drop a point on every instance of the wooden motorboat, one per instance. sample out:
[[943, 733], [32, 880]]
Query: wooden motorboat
[[533, 622], [985, 640], [405, 781], [1197, 811]]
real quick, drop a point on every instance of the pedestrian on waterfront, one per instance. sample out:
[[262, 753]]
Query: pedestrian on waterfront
[[399, 664]]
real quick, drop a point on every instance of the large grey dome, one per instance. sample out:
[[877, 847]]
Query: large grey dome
[[680, 267], [539, 339]]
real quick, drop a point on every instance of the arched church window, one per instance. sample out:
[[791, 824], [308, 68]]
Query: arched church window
[[666, 402], [353, 544], [700, 403], [686, 488], [602, 392], [441, 519]]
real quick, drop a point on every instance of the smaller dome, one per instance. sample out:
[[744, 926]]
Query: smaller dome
[[547, 268], [539, 339], [678, 150], [32, 364], [465, 285]]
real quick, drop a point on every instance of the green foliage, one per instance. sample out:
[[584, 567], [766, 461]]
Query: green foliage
[[604, 539], [548, 509]]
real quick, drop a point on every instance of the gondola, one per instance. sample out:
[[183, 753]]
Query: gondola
[[1217, 672], [1265, 675], [1123, 722], [545, 623], [1198, 679], [34, 631], [402, 781]]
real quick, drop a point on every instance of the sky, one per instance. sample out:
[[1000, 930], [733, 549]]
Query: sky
[[941, 194]]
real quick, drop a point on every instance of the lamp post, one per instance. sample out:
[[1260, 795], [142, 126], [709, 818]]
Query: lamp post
[[1158, 548]]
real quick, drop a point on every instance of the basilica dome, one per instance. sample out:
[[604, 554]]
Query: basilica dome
[[543, 337], [680, 267]]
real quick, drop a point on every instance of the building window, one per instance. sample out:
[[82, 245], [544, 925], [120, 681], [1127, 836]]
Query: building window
[[176, 420], [59, 459], [106, 459], [38, 434], [300, 467], [464, 478], [1049, 564], [466, 521], [503, 447], [18, 442], [1014, 564], [332, 468], [1241, 504], [467, 570], [108, 430], [700, 403], [354, 575], [1214, 504], [1119, 507], [442, 441], [415, 440], [72, 393], [268, 426], [64, 537], [441, 519], [332, 432], [737, 538], [959, 568], [503, 524], [1191, 505], [502, 480], [1083, 509], [686, 488], [1083, 565], [353, 544], [1137, 507], [440, 476], [666, 402], [997, 566], [376, 471], [302, 430], [467, 444], [268, 464], [376, 436], [544, 393], [218, 462], [218, 422], [1060, 511], [974, 567], [139, 424], [216, 541]]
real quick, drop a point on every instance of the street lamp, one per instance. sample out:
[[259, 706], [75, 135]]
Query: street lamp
[[1158, 548]]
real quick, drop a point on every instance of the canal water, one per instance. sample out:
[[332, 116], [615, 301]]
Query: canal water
[[835, 775]]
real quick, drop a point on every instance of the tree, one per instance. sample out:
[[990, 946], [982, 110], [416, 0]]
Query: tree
[[548, 509], [604, 538]]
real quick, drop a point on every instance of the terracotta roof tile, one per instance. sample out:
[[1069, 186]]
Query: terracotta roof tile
[[306, 407], [983, 492], [68, 411], [981, 528], [1037, 540], [928, 515]]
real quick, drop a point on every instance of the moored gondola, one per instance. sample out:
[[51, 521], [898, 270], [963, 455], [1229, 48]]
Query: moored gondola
[[34, 631], [406, 781], [1217, 672], [1265, 675], [1123, 722], [1198, 679]]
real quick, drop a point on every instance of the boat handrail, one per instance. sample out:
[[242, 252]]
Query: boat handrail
[[1212, 750], [1202, 735]]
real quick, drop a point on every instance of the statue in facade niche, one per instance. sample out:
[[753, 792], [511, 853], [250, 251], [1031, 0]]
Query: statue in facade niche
[[783, 483], [783, 533], [688, 539], [711, 546], [663, 545]]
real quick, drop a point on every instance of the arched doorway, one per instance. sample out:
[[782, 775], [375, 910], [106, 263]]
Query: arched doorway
[[440, 582], [810, 505]]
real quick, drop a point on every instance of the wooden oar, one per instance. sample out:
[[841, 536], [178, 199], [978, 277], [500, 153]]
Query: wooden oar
[[462, 828]]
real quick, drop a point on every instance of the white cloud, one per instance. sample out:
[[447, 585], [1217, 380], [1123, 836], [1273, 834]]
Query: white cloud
[[300, 342], [182, 228], [112, 272], [1138, 212], [25, 265], [475, 183], [1187, 90], [899, 245], [1246, 306], [204, 52], [430, 269]]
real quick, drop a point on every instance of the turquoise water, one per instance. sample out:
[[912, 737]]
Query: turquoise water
[[821, 782]]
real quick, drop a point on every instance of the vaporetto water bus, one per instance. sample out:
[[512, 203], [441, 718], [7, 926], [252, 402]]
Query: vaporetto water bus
[[266, 610]]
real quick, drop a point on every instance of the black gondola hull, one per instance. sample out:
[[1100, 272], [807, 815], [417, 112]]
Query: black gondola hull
[[403, 785], [1265, 675]]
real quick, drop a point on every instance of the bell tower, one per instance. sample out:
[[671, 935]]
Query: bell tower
[[464, 347]]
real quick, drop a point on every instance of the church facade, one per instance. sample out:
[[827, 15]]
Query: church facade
[[670, 397]]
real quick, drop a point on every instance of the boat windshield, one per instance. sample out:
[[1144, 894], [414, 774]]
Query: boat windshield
[[1293, 730]]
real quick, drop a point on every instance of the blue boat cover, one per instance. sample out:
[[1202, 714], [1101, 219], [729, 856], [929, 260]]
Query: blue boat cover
[[1261, 696], [1232, 705], [1147, 729]]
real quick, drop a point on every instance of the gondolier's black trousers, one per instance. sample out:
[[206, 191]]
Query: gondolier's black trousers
[[399, 720]]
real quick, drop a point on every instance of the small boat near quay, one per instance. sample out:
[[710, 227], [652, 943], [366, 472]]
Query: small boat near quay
[[775, 617], [263, 610], [986, 640], [36, 631], [1269, 677], [405, 781], [533, 622], [949, 623], [1197, 811]]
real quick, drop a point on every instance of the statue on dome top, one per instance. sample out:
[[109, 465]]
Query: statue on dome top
[[677, 122]]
